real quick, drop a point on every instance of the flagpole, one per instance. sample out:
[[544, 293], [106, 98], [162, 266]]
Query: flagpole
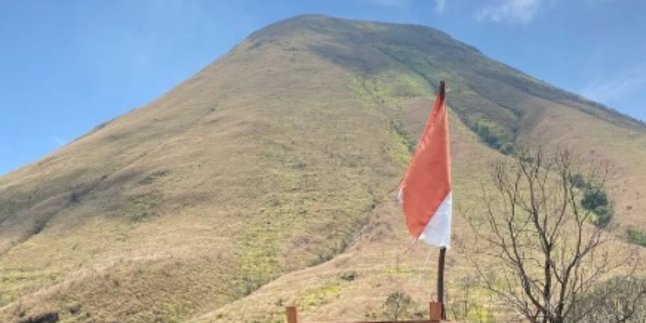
[[440, 270], [440, 281]]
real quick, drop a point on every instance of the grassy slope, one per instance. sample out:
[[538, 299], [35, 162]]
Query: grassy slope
[[324, 296], [266, 162], [248, 170], [520, 109]]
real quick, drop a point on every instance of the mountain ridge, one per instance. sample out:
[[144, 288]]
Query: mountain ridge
[[439, 37]]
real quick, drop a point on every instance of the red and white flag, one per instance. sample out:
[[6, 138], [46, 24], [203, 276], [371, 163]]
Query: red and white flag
[[425, 191]]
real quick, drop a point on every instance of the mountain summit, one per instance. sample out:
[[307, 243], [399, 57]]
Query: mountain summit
[[267, 178]]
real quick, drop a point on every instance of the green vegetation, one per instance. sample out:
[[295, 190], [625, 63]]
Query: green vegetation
[[144, 206], [417, 76], [316, 297], [493, 139], [402, 135], [471, 312], [578, 181], [398, 306], [257, 247], [595, 199], [389, 89], [400, 146], [15, 277], [468, 304], [636, 236], [8, 208]]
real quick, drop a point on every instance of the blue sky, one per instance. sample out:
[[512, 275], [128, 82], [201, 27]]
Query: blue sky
[[66, 66]]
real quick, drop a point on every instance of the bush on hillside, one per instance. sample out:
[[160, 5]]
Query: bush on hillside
[[578, 180], [492, 139], [398, 305], [595, 199], [636, 236]]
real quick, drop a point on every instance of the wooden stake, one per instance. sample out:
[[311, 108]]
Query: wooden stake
[[292, 314], [435, 311]]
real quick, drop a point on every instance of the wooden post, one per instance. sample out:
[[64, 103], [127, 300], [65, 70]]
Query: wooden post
[[292, 314], [436, 310], [440, 281]]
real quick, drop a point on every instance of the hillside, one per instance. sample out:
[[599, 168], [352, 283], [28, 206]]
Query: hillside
[[270, 173]]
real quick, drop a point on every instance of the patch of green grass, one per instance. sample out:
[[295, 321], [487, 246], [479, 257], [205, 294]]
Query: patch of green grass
[[401, 271], [176, 311], [315, 297], [399, 148], [258, 250], [479, 314], [471, 307], [12, 204], [144, 205], [389, 89], [14, 281]]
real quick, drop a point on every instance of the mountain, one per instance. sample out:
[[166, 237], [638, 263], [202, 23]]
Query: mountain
[[268, 178]]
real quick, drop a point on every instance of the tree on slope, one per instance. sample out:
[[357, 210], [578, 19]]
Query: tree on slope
[[549, 256]]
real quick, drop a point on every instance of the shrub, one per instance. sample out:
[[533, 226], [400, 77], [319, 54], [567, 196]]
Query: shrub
[[398, 305], [596, 200], [594, 197], [508, 149], [349, 276], [636, 236], [578, 180], [492, 139]]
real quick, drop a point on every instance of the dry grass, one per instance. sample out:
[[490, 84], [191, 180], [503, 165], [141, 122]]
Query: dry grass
[[263, 179]]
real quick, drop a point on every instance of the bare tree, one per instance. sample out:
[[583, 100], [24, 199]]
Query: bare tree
[[548, 253], [619, 299]]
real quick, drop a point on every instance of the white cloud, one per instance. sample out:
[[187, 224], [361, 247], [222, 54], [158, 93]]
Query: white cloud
[[512, 11], [58, 141], [389, 3], [608, 90], [439, 6]]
